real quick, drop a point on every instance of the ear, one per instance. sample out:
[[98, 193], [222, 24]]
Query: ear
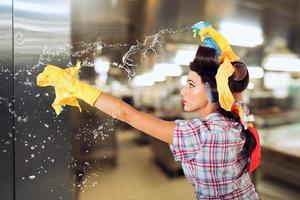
[[211, 95]]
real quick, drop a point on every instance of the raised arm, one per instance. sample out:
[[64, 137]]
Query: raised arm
[[158, 128], [68, 89]]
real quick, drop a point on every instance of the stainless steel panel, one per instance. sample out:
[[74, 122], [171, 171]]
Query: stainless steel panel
[[41, 32], [6, 105]]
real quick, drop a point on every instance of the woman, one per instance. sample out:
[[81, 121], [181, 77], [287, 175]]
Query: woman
[[215, 149]]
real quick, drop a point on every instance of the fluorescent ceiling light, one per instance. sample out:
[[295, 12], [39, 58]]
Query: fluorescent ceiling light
[[147, 79], [156, 77], [167, 69], [102, 65], [183, 80], [275, 80], [159, 77], [250, 86], [255, 72], [186, 46], [101, 80], [241, 34], [184, 57], [282, 62], [116, 85]]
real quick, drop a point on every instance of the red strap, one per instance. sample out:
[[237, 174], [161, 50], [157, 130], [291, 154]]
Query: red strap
[[255, 155]]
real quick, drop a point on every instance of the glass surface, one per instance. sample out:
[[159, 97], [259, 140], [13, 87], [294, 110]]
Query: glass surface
[[42, 146], [138, 51], [6, 104]]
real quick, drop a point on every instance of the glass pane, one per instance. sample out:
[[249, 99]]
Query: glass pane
[[6, 103], [41, 34], [138, 51]]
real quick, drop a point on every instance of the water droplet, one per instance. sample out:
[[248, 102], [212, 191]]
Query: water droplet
[[19, 119], [32, 177], [94, 183]]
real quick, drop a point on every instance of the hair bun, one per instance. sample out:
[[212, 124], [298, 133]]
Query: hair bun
[[240, 71], [238, 82]]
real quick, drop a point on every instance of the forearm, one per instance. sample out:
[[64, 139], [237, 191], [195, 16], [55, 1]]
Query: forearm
[[68, 88], [144, 122], [113, 106]]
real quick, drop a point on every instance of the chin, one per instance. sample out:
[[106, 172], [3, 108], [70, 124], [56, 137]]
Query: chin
[[187, 109]]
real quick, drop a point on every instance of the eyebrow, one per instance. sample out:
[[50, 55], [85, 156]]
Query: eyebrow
[[189, 80]]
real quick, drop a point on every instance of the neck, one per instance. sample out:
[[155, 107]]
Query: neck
[[238, 96], [207, 109]]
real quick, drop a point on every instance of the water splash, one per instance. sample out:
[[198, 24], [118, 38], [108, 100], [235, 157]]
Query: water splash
[[9, 104], [148, 46], [26, 77]]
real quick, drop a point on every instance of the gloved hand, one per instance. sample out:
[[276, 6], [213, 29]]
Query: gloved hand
[[212, 38], [67, 86]]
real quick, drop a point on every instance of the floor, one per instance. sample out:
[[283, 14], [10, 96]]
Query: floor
[[137, 177]]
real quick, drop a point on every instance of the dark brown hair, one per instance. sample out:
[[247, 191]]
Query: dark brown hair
[[206, 65]]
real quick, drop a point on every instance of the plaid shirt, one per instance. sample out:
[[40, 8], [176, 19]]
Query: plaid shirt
[[211, 152]]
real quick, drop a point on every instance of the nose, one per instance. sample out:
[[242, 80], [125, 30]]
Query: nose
[[182, 91]]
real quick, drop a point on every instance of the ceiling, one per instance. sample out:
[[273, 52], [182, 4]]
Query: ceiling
[[130, 21]]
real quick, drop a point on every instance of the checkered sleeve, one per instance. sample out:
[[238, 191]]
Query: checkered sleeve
[[186, 139]]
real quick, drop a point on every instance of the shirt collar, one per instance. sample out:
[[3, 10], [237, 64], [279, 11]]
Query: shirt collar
[[212, 116]]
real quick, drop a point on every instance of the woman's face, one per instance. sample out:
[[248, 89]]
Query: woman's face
[[194, 94]]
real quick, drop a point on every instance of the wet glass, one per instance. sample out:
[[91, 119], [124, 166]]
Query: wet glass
[[6, 103], [120, 45]]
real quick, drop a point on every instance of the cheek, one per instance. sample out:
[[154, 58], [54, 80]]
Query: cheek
[[196, 94], [197, 98]]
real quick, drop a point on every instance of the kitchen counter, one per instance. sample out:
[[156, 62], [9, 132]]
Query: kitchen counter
[[281, 153], [284, 139]]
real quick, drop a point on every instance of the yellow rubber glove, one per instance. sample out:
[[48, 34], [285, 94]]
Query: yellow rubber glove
[[67, 87], [225, 96], [220, 40]]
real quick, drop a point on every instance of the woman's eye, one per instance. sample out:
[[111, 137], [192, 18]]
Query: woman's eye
[[191, 85]]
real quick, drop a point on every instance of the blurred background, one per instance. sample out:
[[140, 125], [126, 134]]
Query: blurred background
[[137, 50]]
